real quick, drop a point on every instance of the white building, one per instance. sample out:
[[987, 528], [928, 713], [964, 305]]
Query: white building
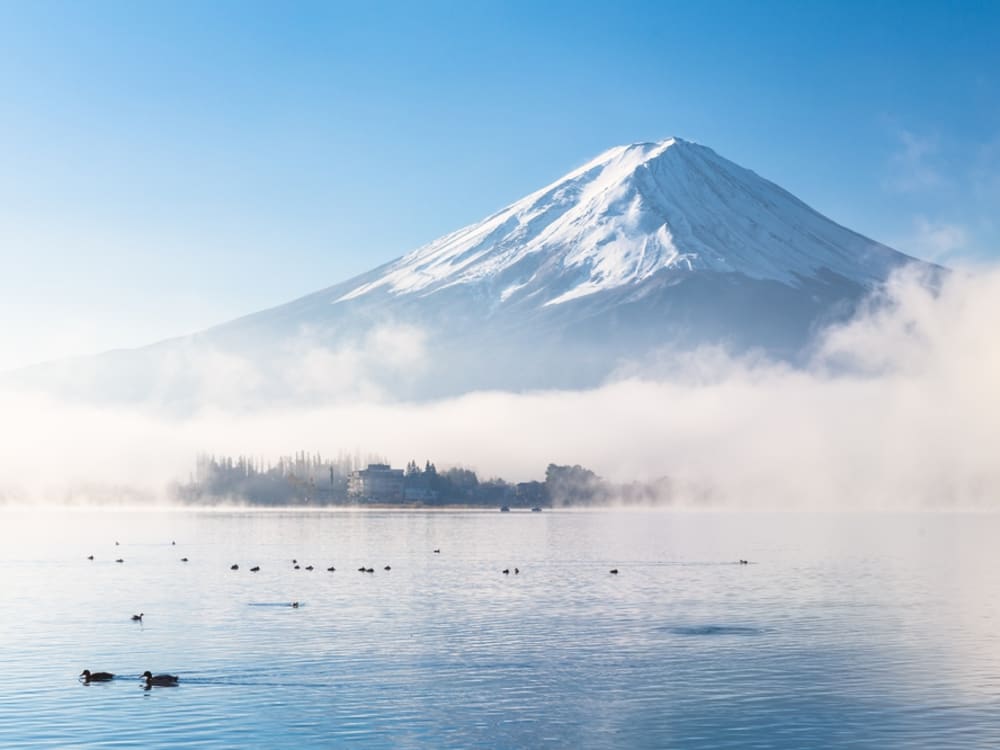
[[377, 484]]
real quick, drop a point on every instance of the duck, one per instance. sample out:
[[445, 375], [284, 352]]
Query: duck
[[119, 560], [369, 570], [331, 569], [744, 562], [234, 566], [90, 557], [297, 567], [309, 567], [89, 676], [387, 567], [138, 617], [506, 571], [294, 605], [613, 571], [437, 552], [255, 569], [184, 559], [362, 569], [163, 680]]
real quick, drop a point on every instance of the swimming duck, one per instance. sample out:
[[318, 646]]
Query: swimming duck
[[119, 560], [294, 605], [255, 569], [387, 567], [369, 570], [613, 571], [309, 567], [331, 569], [163, 680], [234, 566], [184, 559], [89, 676], [297, 567], [506, 571], [744, 562], [437, 552], [137, 618], [90, 557]]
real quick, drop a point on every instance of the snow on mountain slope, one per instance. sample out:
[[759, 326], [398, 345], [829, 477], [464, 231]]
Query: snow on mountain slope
[[630, 213], [649, 248]]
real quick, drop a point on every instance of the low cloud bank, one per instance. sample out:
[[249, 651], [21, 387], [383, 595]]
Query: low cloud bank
[[899, 408]]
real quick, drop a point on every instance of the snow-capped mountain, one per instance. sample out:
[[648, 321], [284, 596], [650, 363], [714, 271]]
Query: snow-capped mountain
[[629, 214], [646, 248]]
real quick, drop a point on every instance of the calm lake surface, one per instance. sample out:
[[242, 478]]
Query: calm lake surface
[[845, 631]]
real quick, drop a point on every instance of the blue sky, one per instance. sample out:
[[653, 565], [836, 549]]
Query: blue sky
[[167, 166]]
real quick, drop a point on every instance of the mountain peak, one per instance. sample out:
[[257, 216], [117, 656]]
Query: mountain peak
[[620, 162], [636, 153], [634, 212]]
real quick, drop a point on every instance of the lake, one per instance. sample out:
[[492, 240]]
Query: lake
[[843, 631]]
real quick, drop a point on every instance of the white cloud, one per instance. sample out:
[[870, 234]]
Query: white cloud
[[936, 241], [358, 370]]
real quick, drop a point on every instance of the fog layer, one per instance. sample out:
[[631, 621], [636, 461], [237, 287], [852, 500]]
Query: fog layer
[[900, 407]]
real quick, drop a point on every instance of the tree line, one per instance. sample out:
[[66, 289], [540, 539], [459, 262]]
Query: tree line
[[313, 480]]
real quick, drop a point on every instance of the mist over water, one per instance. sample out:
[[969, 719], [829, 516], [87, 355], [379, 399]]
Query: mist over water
[[898, 407]]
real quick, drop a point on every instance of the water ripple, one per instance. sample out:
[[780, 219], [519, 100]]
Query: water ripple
[[831, 638]]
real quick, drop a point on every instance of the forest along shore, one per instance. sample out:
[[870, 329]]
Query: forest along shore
[[312, 480]]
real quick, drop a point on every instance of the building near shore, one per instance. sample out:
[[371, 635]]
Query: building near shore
[[379, 483]]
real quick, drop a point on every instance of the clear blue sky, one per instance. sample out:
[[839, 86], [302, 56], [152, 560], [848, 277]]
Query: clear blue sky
[[166, 166]]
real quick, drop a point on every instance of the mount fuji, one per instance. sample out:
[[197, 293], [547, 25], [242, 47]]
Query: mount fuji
[[647, 248]]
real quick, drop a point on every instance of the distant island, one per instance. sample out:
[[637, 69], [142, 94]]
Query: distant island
[[306, 479]]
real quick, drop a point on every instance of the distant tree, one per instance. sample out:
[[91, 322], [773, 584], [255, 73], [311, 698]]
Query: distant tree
[[494, 491], [574, 485], [463, 482], [532, 493]]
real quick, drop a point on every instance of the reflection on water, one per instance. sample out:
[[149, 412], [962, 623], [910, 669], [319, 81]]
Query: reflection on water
[[845, 631]]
